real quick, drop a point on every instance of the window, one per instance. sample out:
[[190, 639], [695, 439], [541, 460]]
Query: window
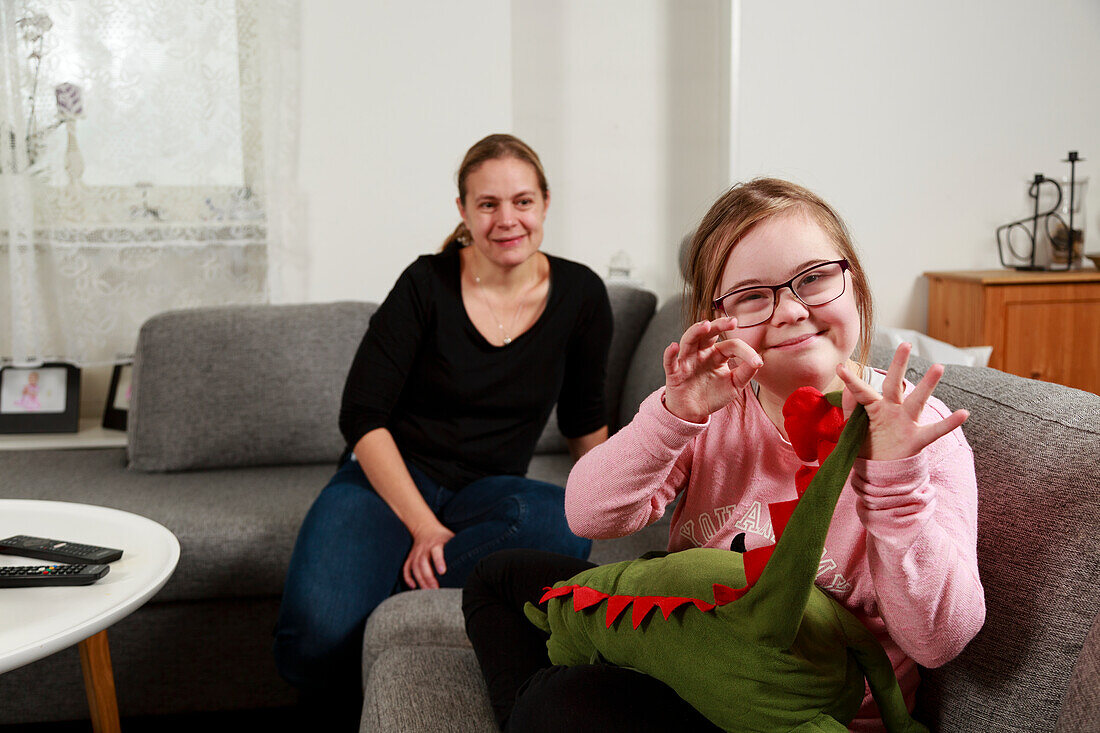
[[147, 142]]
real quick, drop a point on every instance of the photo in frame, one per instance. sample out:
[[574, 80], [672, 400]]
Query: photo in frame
[[40, 399], [118, 397]]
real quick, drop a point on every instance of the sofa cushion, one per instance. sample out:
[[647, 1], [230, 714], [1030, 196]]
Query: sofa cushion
[[1038, 551], [647, 371], [242, 386], [236, 527], [631, 309]]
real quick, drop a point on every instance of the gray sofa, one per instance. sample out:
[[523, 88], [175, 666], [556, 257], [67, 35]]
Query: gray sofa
[[232, 434], [1035, 666]]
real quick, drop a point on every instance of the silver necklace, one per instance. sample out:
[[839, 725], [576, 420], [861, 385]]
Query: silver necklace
[[500, 324]]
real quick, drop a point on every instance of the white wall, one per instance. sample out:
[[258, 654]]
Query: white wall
[[921, 121], [624, 100], [393, 93]]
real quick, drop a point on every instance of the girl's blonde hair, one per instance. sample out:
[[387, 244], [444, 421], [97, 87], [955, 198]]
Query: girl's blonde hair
[[488, 148], [734, 215]]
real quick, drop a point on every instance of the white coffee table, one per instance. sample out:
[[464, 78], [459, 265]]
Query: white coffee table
[[40, 621]]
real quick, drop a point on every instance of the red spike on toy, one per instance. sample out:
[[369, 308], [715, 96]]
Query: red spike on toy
[[803, 477], [615, 607], [668, 604], [781, 512], [723, 594], [583, 597], [755, 560], [556, 592], [642, 606]]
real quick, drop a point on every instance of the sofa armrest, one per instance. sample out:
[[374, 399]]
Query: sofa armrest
[[1081, 706], [415, 618], [419, 689], [1034, 446]]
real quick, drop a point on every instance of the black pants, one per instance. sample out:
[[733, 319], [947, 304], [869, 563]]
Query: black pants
[[529, 694]]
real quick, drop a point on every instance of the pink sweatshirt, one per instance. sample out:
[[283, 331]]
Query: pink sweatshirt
[[900, 552]]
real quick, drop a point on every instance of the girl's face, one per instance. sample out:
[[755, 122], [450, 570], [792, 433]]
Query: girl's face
[[800, 345], [504, 210]]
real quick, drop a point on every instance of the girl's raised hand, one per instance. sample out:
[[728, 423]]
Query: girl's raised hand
[[895, 430], [703, 373]]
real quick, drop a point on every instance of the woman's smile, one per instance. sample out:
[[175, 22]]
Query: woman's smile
[[509, 241]]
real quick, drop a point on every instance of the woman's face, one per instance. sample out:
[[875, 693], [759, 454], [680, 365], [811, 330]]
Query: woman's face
[[800, 345], [504, 211]]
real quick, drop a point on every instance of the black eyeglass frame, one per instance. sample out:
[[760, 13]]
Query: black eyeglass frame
[[844, 267]]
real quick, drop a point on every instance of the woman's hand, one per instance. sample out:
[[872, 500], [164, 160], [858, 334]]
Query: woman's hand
[[895, 431], [699, 378], [426, 553]]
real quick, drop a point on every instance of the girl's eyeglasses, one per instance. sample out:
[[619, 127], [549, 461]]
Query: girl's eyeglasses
[[815, 286]]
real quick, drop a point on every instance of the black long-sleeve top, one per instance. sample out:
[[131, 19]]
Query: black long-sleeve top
[[460, 408]]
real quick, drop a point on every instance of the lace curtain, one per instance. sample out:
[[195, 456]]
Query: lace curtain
[[148, 154]]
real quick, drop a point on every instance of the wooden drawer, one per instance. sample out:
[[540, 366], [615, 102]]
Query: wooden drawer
[[1041, 325]]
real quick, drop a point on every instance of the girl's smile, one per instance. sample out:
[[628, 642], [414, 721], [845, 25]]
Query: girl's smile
[[796, 342]]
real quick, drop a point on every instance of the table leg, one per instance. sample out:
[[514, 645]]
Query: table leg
[[99, 683]]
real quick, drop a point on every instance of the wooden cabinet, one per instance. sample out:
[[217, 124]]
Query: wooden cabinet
[[1042, 325]]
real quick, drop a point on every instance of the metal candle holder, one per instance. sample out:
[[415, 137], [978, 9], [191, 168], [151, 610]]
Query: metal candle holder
[[1048, 218]]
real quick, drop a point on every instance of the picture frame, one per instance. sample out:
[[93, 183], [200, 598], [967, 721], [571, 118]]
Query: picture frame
[[40, 399], [118, 397]]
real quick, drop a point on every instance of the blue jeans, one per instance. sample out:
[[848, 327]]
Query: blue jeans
[[351, 548]]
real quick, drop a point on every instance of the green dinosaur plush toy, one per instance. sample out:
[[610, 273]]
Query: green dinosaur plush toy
[[769, 651]]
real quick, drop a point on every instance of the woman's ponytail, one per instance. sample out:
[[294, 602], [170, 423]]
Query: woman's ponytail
[[460, 237]]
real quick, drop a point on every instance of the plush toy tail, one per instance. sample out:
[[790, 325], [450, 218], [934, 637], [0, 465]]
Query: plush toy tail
[[536, 616], [872, 659]]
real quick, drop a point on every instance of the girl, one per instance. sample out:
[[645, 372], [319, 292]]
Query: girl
[[779, 301], [28, 400]]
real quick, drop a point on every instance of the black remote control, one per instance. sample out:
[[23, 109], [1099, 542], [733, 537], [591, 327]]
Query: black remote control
[[21, 576], [41, 548]]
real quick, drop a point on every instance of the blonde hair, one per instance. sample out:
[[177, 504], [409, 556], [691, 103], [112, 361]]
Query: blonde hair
[[734, 215], [493, 147]]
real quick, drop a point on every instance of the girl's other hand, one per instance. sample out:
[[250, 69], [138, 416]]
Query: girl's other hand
[[704, 373], [895, 430], [426, 554]]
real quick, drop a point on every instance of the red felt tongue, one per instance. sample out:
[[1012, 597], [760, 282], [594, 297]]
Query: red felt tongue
[[811, 419]]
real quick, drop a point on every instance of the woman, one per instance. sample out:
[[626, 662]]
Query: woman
[[444, 403]]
